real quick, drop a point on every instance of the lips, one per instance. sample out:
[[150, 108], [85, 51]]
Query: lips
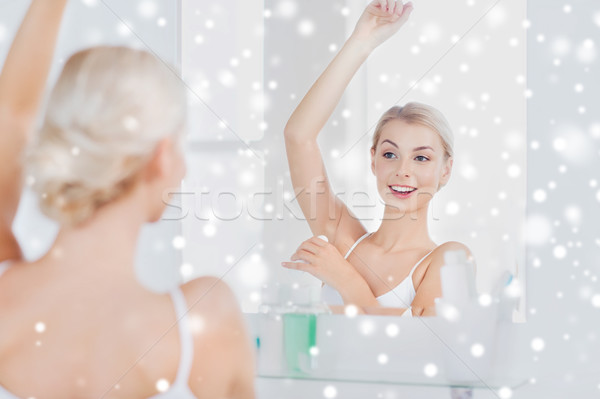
[[402, 191]]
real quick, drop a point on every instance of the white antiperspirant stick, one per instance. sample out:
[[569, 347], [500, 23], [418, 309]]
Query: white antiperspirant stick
[[458, 278]]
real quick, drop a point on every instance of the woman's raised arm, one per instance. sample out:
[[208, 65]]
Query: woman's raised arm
[[22, 83], [325, 213]]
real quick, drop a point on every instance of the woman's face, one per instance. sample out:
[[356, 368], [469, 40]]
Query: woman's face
[[410, 165]]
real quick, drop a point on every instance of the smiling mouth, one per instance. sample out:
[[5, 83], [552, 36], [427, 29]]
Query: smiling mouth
[[402, 190]]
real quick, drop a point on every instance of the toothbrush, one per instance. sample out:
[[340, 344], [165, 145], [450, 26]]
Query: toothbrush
[[503, 281]]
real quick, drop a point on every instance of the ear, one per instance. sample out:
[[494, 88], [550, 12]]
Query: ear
[[446, 172], [373, 161], [161, 162]]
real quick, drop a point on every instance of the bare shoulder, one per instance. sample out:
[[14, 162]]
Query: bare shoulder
[[437, 256], [213, 306], [223, 354], [452, 246], [211, 297], [429, 286]]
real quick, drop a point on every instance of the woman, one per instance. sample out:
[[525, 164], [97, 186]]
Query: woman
[[398, 265], [76, 323]]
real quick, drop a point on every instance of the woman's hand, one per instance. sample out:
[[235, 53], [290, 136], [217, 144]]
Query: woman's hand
[[323, 261], [380, 20]]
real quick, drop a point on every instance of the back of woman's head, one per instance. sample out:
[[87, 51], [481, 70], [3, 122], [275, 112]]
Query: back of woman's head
[[108, 111]]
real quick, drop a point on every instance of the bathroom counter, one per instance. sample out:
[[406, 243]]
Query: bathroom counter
[[384, 354]]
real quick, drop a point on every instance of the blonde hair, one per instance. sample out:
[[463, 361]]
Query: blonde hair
[[419, 114], [108, 111]]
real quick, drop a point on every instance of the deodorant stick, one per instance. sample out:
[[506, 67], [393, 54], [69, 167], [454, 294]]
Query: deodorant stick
[[458, 278]]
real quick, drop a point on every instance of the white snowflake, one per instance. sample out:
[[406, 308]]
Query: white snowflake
[[538, 344], [330, 392], [147, 8], [306, 27], [430, 370]]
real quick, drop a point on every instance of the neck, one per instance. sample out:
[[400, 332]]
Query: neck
[[401, 231], [105, 244]]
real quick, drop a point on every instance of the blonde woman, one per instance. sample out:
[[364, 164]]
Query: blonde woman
[[76, 323], [397, 266]]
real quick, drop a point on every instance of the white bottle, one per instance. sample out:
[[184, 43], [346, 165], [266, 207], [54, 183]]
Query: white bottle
[[458, 279], [269, 340], [464, 323]]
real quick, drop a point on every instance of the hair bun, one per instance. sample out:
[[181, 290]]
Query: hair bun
[[108, 111]]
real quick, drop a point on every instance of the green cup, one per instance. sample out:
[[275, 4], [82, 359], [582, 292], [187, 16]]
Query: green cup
[[299, 336]]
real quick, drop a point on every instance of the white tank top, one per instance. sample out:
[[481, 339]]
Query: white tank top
[[401, 296], [180, 388]]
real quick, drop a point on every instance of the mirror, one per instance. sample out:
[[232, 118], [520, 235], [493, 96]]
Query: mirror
[[263, 62]]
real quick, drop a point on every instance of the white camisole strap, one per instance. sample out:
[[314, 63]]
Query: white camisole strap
[[185, 336], [355, 244], [180, 388], [418, 263], [4, 265], [328, 294]]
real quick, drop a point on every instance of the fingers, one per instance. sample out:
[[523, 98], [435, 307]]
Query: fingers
[[301, 266], [304, 255], [384, 6], [323, 237], [405, 11], [295, 266], [391, 7], [320, 241], [307, 252], [311, 246]]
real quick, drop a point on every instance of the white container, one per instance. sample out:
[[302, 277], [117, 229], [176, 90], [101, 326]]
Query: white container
[[468, 336], [458, 278], [467, 330]]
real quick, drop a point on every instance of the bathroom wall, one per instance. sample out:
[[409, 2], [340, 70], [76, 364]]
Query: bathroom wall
[[222, 196], [563, 198]]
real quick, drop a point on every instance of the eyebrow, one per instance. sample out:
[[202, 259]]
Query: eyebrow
[[388, 141], [425, 147]]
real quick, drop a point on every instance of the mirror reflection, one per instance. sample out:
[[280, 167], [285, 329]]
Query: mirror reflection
[[443, 63]]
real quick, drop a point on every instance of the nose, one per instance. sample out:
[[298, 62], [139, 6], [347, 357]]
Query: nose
[[403, 168]]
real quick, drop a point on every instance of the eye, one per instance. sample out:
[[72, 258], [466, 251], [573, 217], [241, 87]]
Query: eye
[[422, 158], [389, 155]]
